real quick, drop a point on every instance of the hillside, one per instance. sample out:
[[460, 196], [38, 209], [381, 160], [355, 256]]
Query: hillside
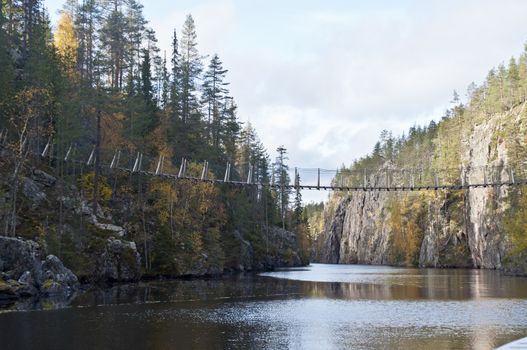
[[478, 227], [96, 87]]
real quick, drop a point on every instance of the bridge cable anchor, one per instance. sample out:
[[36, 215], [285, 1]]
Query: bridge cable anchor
[[115, 160], [182, 168], [46, 149], [250, 174], [138, 162], [68, 153], [227, 173], [205, 171], [91, 157], [159, 168]]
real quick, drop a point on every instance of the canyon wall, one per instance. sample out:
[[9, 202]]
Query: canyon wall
[[462, 228]]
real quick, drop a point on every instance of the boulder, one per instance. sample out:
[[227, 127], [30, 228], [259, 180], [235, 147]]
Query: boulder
[[18, 256], [7, 292], [118, 231], [54, 270], [119, 261], [32, 192], [44, 178], [26, 274], [285, 245], [86, 209], [27, 286]]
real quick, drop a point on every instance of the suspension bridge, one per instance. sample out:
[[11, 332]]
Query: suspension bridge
[[389, 179]]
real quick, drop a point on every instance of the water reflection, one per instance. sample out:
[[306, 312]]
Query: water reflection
[[381, 282], [320, 307]]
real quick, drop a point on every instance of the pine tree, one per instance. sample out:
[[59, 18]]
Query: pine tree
[[112, 43], [87, 21]]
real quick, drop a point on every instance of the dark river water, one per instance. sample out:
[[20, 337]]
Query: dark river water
[[318, 307]]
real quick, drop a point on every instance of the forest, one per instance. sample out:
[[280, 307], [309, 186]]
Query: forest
[[96, 84]]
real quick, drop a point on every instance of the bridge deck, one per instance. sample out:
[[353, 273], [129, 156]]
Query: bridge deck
[[337, 188], [435, 183]]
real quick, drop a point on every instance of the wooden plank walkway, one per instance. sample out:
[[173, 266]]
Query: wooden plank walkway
[[516, 345]]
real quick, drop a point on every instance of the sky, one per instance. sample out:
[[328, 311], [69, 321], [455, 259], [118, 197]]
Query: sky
[[324, 78]]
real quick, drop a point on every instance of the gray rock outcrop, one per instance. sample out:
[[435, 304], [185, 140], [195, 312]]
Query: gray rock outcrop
[[119, 261], [32, 191], [24, 273], [43, 178]]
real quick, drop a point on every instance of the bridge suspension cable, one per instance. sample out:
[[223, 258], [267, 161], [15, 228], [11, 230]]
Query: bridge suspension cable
[[347, 180]]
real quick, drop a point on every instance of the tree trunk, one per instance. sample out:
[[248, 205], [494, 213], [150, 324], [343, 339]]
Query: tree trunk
[[97, 157]]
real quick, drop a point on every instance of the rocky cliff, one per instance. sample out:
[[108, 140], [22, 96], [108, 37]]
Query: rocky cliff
[[122, 239], [437, 229]]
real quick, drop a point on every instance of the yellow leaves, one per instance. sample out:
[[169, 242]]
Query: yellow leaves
[[188, 206], [195, 242], [112, 136], [66, 41], [516, 225], [105, 192], [119, 116], [30, 112], [406, 232]]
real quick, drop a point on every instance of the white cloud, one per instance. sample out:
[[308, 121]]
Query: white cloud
[[214, 20], [366, 72]]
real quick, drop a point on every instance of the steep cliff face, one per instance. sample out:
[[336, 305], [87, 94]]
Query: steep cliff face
[[358, 233], [445, 242], [448, 228], [484, 207]]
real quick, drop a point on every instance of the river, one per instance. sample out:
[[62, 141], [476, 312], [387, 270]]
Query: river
[[317, 307]]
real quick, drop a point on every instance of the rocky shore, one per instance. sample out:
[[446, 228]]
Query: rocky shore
[[26, 272]]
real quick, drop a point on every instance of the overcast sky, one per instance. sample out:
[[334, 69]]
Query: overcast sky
[[323, 78]]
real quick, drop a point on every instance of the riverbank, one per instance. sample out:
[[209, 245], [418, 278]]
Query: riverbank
[[27, 273]]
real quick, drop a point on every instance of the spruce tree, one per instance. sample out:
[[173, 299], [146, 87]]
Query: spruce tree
[[282, 177], [297, 209], [175, 85], [230, 130], [213, 96], [6, 68], [165, 86], [147, 93], [191, 69]]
